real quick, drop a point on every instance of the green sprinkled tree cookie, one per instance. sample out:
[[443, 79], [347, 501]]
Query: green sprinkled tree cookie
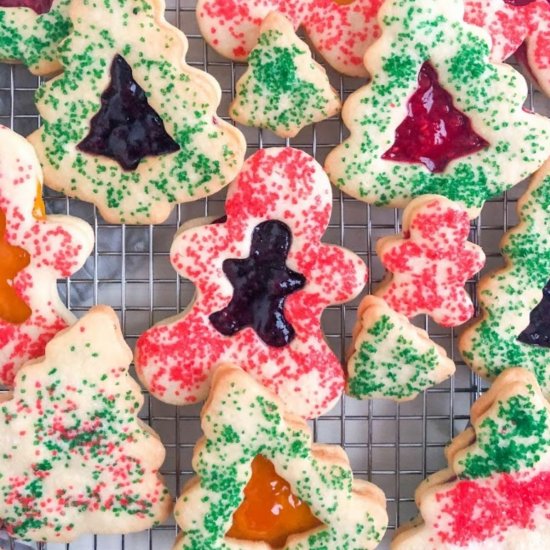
[[30, 33], [75, 456], [284, 88], [437, 117], [129, 125], [261, 483], [495, 494], [514, 328], [390, 357]]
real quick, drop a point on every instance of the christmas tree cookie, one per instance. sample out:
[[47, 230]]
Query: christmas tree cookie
[[75, 456], [262, 483], [390, 357], [35, 251], [284, 89], [514, 328], [496, 491], [429, 264], [437, 116], [129, 125], [31, 31], [263, 278]]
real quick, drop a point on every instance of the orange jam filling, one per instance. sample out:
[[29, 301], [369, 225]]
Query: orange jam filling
[[39, 208], [270, 512], [12, 260], [343, 2]]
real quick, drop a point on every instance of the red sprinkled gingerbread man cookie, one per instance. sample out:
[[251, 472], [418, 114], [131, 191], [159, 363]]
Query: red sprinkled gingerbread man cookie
[[35, 250], [430, 263], [263, 279]]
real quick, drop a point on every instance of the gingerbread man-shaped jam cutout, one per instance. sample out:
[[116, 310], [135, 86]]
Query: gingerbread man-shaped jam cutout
[[430, 263], [263, 278], [35, 250]]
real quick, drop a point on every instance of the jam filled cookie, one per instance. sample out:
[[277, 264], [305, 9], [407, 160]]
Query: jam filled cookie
[[31, 31], [284, 89], [262, 483], [35, 251], [510, 23], [390, 357], [429, 264], [495, 494], [514, 328], [263, 279], [75, 456], [129, 125], [438, 116]]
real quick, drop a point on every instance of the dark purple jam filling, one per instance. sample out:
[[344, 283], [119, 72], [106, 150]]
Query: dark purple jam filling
[[126, 128], [38, 6], [538, 331], [516, 3], [261, 283], [434, 132]]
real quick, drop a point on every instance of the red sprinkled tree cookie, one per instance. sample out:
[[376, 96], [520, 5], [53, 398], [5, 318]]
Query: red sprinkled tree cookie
[[430, 263], [35, 251], [263, 279], [262, 484], [495, 494], [438, 116], [75, 456]]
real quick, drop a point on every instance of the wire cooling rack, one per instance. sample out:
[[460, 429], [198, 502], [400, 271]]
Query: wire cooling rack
[[394, 446]]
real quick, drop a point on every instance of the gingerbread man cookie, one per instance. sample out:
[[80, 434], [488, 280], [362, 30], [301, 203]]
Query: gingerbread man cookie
[[284, 89], [262, 483], [514, 328], [390, 357], [31, 31], [496, 491], [129, 125], [75, 456], [437, 116], [510, 23], [429, 264], [35, 251], [263, 279]]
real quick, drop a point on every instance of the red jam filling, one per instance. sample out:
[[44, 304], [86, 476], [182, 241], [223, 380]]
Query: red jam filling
[[126, 128], [38, 6], [434, 132], [538, 331], [12, 260], [261, 284], [270, 512]]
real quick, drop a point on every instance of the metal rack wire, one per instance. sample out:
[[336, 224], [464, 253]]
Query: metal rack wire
[[395, 446]]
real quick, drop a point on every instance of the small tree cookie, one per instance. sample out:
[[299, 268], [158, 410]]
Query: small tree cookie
[[31, 31], [390, 357], [429, 264], [496, 491], [35, 251], [284, 89], [129, 125], [514, 327], [256, 457], [75, 456], [437, 116]]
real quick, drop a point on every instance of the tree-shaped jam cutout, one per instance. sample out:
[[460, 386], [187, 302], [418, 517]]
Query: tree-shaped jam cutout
[[513, 328], [38, 6], [437, 115], [495, 492], [261, 283], [85, 463], [13, 259], [263, 278], [270, 511], [126, 128], [435, 132], [259, 477], [35, 251]]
